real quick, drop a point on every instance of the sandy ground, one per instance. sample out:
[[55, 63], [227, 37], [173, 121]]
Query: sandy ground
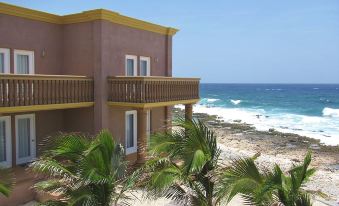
[[237, 201], [273, 150]]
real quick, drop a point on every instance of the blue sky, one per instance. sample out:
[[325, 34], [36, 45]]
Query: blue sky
[[236, 41]]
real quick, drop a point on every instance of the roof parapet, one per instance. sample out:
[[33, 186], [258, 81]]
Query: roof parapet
[[86, 16]]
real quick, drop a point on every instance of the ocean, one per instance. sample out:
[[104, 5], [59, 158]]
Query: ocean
[[306, 109]]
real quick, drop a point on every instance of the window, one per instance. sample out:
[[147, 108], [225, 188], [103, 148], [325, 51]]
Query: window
[[23, 62], [131, 132], [145, 67], [131, 65], [5, 142], [4, 60], [25, 138]]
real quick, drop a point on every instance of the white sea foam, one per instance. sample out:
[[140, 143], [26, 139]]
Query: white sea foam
[[235, 101], [329, 112], [212, 100], [325, 128], [273, 89]]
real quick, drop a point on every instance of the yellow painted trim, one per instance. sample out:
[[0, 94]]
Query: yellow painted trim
[[151, 78], [33, 108], [151, 105], [29, 13], [86, 16], [44, 77]]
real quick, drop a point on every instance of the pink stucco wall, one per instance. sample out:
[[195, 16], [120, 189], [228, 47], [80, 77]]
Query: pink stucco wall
[[96, 49], [25, 34]]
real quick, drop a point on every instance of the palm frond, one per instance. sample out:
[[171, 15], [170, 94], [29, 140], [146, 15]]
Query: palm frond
[[50, 186], [86, 171], [183, 158], [7, 181], [70, 146], [51, 167], [4, 190], [303, 200]]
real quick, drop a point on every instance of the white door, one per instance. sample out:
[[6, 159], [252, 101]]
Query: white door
[[131, 65], [23, 62], [25, 138], [4, 61], [131, 131], [5, 142], [145, 66]]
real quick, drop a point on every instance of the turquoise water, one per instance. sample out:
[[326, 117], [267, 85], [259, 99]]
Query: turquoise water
[[305, 109]]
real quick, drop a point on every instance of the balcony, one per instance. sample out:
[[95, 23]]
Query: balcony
[[20, 93], [146, 92]]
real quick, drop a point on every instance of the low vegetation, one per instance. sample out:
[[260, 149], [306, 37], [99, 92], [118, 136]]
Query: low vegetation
[[183, 166], [84, 171], [268, 187], [6, 182]]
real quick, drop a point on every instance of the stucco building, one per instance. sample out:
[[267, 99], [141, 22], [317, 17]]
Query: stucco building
[[82, 72]]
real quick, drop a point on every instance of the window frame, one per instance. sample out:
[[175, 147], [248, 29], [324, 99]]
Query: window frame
[[8, 162], [7, 60], [133, 149], [25, 160], [31, 69], [135, 65], [148, 60]]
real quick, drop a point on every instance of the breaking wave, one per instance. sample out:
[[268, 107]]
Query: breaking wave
[[325, 128], [212, 100], [235, 101], [329, 112]]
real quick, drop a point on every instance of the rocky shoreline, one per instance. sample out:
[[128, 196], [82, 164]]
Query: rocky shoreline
[[240, 139]]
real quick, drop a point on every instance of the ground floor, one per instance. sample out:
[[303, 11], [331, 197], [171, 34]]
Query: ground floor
[[23, 136]]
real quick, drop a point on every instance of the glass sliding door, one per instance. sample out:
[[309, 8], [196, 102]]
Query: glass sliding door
[[5, 142], [131, 132], [2, 63], [131, 65], [145, 66], [4, 60], [23, 62], [25, 138]]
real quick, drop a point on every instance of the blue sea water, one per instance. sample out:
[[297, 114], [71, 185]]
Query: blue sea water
[[305, 109]]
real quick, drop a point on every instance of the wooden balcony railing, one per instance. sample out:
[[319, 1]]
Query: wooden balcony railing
[[152, 89], [28, 90]]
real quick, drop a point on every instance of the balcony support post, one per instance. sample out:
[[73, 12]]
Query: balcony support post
[[168, 117], [142, 136], [188, 112]]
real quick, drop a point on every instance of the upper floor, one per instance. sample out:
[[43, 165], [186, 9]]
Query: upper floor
[[83, 43], [90, 58]]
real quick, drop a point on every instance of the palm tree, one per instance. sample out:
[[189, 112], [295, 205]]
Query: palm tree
[[268, 187], [183, 165], [6, 182], [83, 171]]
